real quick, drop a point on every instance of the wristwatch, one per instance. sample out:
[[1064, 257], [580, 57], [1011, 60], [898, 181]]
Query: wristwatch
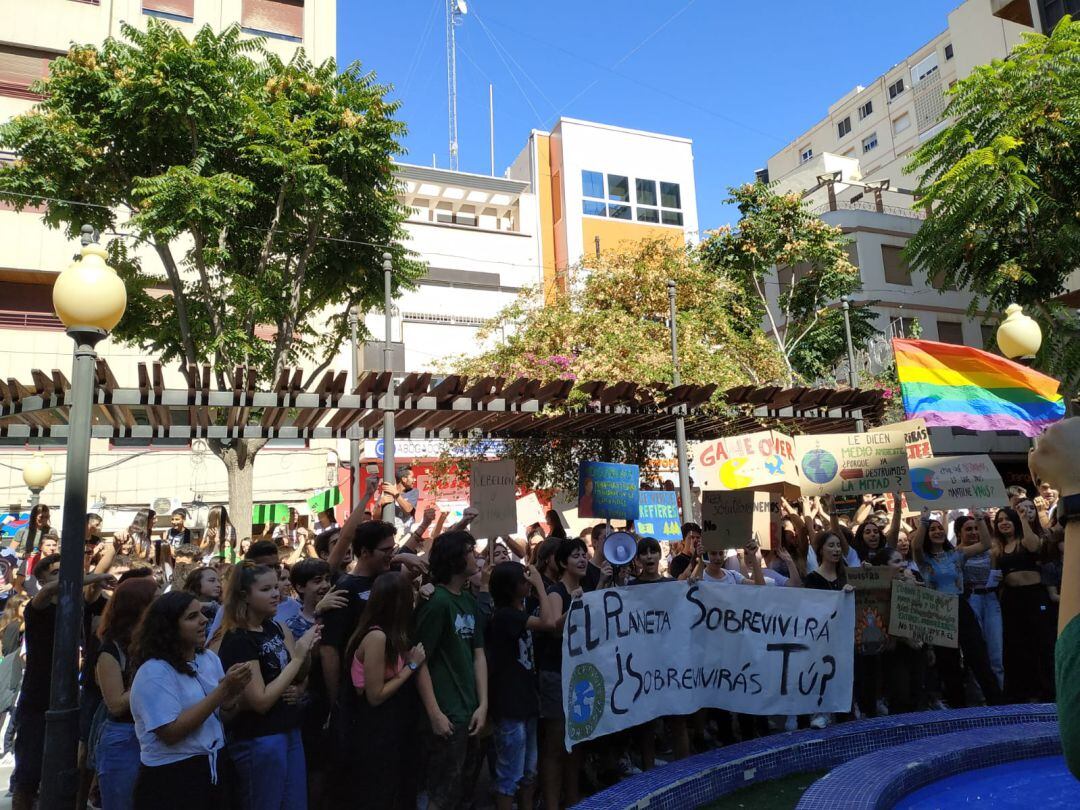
[[1067, 507], [413, 666]]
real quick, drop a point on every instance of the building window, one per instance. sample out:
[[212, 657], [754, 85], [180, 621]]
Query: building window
[[619, 211], [592, 184], [989, 336], [924, 68], [869, 143], [896, 266], [648, 215], [896, 88], [179, 10], [948, 52], [20, 68], [844, 127], [806, 154], [670, 196], [865, 110], [618, 187], [671, 217], [901, 123], [950, 332], [646, 192], [280, 19], [593, 208], [902, 327]]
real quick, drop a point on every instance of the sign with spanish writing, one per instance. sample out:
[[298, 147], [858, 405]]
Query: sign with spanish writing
[[763, 460], [916, 437], [852, 463], [955, 482], [658, 516], [492, 491], [733, 519], [634, 654], [873, 600], [608, 490], [924, 614]]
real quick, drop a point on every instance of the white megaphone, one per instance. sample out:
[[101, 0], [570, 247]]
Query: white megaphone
[[620, 548]]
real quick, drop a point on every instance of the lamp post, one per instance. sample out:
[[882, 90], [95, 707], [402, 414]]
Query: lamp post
[[354, 442], [680, 423], [1019, 336], [37, 473], [90, 300], [853, 373], [389, 474]]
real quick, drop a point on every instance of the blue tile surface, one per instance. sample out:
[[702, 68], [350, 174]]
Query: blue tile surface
[[708, 776]]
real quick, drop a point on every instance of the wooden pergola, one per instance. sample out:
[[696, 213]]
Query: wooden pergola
[[426, 407]]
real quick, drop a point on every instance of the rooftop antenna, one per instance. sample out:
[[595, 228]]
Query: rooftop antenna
[[455, 10]]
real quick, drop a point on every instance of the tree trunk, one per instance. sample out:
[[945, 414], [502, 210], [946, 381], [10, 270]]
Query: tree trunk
[[239, 459]]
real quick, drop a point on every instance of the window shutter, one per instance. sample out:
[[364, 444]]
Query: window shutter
[[21, 67], [275, 16], [181, 8]]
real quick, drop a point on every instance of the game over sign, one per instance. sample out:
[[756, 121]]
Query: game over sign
[[761, 461]]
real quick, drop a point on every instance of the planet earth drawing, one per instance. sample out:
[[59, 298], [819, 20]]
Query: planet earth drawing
[[820, 466], [922, 484]]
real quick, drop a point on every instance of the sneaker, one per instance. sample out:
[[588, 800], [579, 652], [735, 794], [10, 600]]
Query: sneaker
[[882, 709], [939, 705], [819, 721], [628, 768]]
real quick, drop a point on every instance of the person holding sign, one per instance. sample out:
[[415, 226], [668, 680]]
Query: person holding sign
[[942, 566], [981, 581], [1024, 606], [904, 660]]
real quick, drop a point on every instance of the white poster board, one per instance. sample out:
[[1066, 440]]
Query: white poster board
[[492, 491], [955, 482]]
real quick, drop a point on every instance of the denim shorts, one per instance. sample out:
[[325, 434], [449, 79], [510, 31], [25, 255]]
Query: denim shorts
[[515, 755]]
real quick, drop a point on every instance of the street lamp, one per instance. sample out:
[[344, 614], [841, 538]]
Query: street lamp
[[1019, 336], [685, 493], [90, 299], [37, 473]]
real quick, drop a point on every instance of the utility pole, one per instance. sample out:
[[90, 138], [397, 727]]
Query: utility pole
[[354, 442], [853, 374], [685, 494], [389, 475]]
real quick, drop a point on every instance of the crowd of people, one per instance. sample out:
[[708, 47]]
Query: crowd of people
[[400, 664]]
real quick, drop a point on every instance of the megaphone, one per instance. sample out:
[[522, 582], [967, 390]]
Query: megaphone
[[620, 548]]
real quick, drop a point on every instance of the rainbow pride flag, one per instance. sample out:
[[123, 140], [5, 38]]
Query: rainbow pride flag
[[957, 386]]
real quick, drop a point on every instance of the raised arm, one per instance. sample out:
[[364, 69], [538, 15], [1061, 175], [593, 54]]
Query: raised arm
[[919, 537], [1031, 541], [892, 535]]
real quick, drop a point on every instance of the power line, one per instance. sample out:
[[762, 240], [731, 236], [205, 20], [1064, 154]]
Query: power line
[[497, 43], [420, 48]]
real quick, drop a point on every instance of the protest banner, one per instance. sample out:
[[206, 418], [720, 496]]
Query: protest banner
[[327, 499], [956, 482], [852, 463], [924, 614], [529, 511], [905, 506], [492, 491], [873, 601], [732, 519], [916, 437], [634, 654], [763, 461], [608, 490], [658, 516]]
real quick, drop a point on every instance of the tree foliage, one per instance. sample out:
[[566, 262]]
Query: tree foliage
[[612, 325], [1001, 186], [255, 197], [777, 231]]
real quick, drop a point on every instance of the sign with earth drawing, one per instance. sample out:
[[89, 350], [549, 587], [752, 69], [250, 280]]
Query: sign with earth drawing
[[762, 461], [853, 463], [955, 482]]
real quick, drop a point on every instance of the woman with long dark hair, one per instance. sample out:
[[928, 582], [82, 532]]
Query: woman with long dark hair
[[1024, 610], [942, 566], [264, 736], [117, 748], [375, 721], [29, 536], [176, 700], [220, 536], [980, 590], [205, 585]]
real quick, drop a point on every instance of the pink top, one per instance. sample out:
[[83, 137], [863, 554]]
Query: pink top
[[357, 669]]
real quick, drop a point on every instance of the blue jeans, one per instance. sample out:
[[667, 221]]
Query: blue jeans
[[270, 772], [515, 755], [987, 610], [117, 765]]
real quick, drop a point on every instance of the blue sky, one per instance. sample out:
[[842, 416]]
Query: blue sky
[[740, 78]]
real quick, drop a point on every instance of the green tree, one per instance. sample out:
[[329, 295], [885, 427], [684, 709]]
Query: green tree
[[1001, 188], [777, 231], [612, 326], [255, 197]]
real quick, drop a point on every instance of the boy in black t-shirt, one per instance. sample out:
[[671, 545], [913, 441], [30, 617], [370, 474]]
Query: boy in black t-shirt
[[514, 694], [178, 534]]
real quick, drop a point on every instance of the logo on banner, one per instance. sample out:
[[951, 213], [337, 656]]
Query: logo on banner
[[585, 701]]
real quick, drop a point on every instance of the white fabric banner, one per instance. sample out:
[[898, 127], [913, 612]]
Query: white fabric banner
[[645, 651]]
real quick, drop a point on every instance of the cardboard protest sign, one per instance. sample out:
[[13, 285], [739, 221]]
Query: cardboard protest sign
[[731, 519], [873, 600], [852, 463], [492, 490], [658, 516], [924, 614], [529, 510], [262, 513], [764, 461], [905, 505], [634, 654], [916, 437], [955, 482], [327, 499], [608, 490]]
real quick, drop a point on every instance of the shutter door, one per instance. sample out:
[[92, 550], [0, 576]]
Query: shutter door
[[181, 8], [21, 67], [275, 16]]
